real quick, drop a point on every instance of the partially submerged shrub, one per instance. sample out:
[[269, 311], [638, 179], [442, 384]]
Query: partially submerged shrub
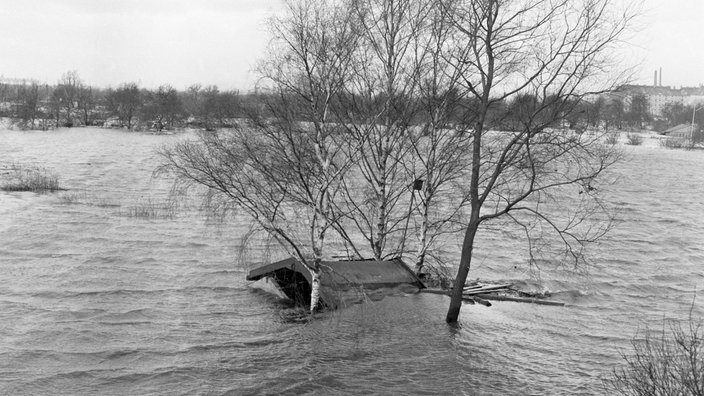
[[612, 138], [665, 362], [676, 143], [73, 197], [28, 178], [149, 209], [82, 198], [634, 139]]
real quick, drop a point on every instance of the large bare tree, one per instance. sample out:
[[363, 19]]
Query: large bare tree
[[285, 164], [162, 107], [366, 96], [125, 103], [377, 111], [28, 110], [558, 51], [439, 143]]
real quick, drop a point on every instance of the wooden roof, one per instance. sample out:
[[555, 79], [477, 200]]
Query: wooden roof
[[337, 274]]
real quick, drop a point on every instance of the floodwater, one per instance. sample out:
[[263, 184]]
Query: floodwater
[[106, 290]]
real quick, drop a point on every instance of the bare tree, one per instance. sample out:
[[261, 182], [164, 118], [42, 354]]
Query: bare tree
[[125, 103], [227, 107], [192, 101], [86, 103], [285, 169], [46, 107], [614, 113], [370, 95], [556, 51], [162, 107], [5, 94], [378, 110], [438, 157], [595, 111], [638, 112], [55, 107], [28, 104], [209, 106], [68, 91]]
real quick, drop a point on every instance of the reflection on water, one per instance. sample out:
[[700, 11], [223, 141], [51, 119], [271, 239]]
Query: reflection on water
[[95, 299]]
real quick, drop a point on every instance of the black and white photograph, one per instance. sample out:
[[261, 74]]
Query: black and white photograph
[[352, 197]]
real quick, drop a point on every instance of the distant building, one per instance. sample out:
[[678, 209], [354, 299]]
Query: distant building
[[658, 96], [682, 131]]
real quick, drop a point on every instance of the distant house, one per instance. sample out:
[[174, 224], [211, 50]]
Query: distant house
[[682, 131]]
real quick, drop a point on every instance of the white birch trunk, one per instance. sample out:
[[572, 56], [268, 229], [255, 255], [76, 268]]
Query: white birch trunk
[[315, 290], [422, 239]]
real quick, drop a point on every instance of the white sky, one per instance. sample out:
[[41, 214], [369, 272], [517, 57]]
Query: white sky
[[182, 42]]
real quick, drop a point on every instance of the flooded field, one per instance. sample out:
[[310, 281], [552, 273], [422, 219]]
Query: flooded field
[[107, 288]]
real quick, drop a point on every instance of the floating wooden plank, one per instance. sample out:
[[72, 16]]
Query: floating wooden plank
[[481, 286], [484, 289], [532, 300], [496, 297]]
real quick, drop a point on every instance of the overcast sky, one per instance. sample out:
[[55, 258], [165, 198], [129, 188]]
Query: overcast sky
[[182, 42]]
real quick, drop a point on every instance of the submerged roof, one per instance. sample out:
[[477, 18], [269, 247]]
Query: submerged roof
[[341, 282], [339, 274]]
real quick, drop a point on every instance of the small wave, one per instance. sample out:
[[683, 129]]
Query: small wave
[[226, 272], [126, 323], [197, 245], [100, 259], [56, 354], [234, 345], [80, 314], [129, 292], [574, 293]]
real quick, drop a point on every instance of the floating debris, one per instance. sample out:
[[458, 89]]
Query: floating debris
[[479, 293]]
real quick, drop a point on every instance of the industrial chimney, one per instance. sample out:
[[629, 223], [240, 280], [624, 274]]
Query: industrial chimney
[[660, 82], [655, 78]]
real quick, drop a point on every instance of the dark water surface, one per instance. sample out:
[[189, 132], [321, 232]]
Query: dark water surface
[[98, 299]]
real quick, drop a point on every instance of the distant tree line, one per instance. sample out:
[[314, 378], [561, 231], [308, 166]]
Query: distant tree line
[[71, 102]]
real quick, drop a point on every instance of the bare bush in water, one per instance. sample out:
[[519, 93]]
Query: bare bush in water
[[612, 138], [676, 143], [634, 139], [669, 361], [28, 178], [149, 209]]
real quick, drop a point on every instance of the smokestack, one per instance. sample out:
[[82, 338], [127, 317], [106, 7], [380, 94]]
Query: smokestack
[[655, 78], [660, 83]]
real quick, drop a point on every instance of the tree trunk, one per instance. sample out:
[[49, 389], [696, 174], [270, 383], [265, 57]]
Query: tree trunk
[[381, 219], [422, 238], [315, 289], [474, 221], [453, 312]]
